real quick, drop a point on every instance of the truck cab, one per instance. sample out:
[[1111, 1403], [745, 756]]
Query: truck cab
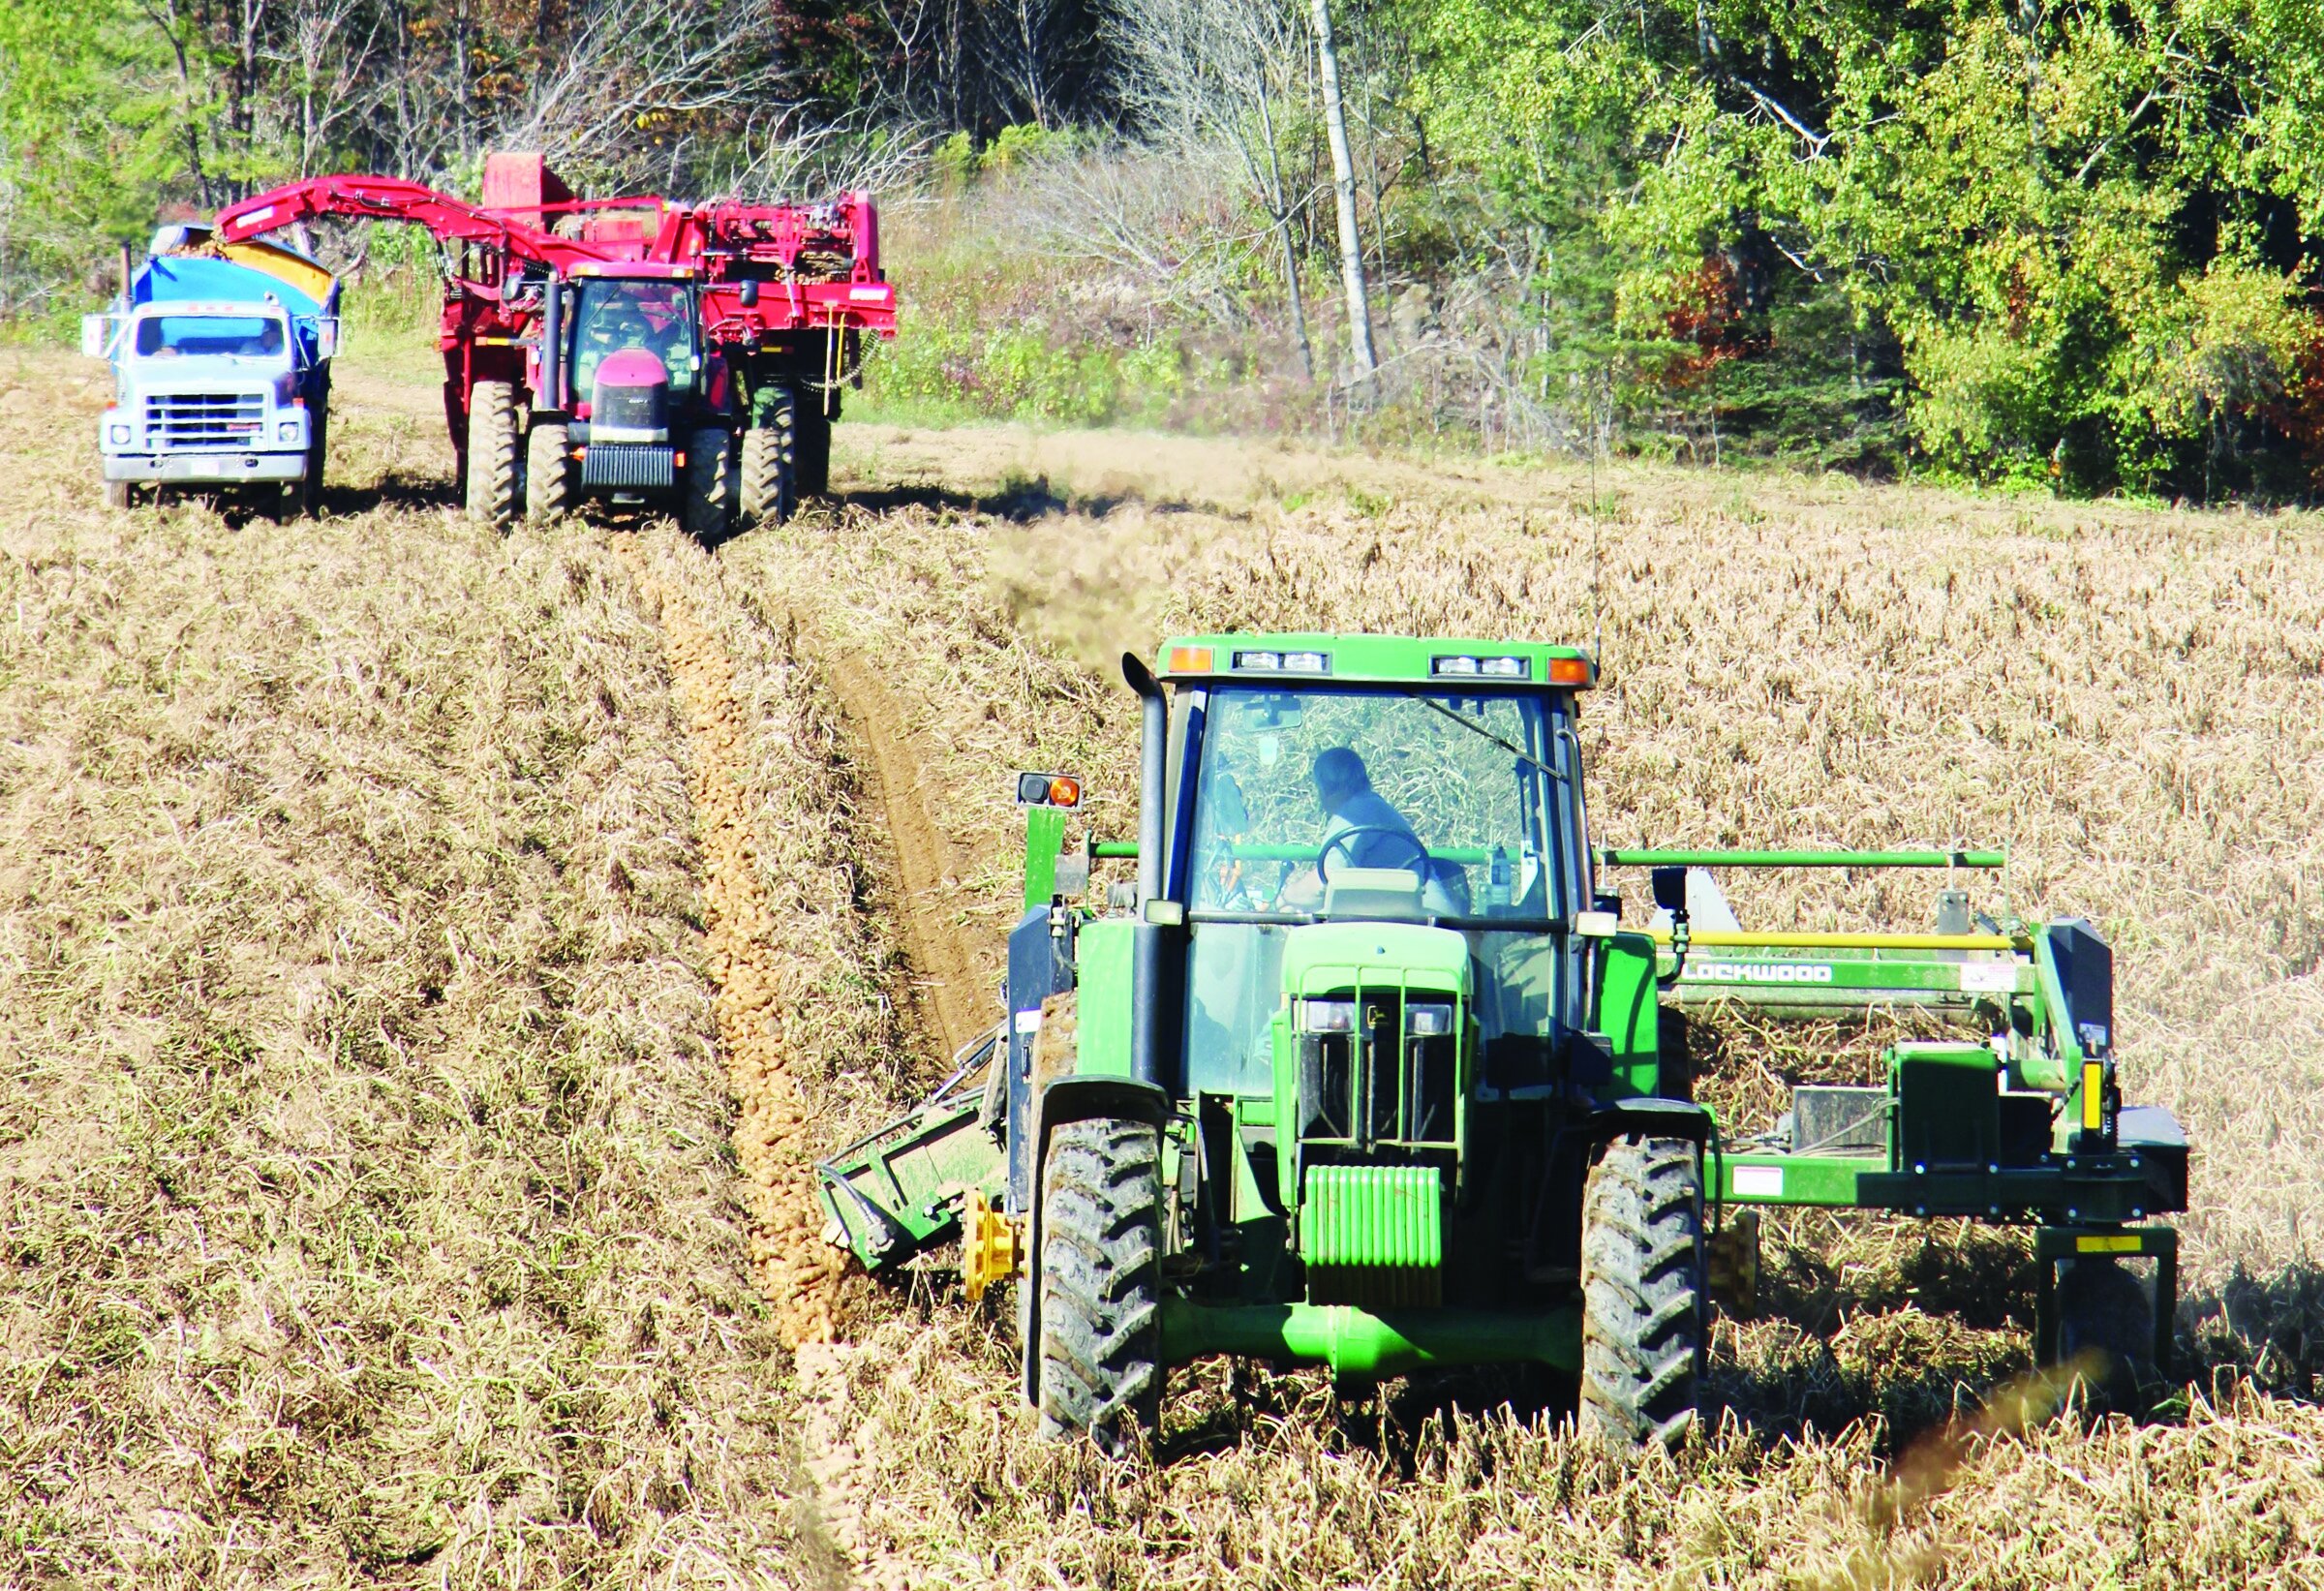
[[221, 373]]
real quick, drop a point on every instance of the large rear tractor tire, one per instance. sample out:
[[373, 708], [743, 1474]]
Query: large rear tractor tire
[[712, 486], [770, 488], [1100, 1275], [1643, 1285], [548, 475], [2106, 1334], [492, 477], [811, 462]]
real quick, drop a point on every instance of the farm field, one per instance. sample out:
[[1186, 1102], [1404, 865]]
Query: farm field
[[430, 964]]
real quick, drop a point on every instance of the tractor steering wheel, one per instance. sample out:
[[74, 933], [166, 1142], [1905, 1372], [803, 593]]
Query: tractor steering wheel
[[1346, 838]]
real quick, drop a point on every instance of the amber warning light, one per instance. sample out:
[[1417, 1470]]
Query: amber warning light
[[1048, 790]]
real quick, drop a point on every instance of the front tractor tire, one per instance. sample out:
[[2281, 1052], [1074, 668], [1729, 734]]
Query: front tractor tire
[[1643, 1312], [1100, 1319], [492, 476], [548, 475], [710, 486]]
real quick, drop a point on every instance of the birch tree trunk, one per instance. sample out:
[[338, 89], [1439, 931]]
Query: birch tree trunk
[[1343, 188]]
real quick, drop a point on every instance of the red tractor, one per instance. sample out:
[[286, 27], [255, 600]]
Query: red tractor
[[631, 348]]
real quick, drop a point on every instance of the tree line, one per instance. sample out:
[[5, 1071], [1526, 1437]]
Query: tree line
[[2048, 243]]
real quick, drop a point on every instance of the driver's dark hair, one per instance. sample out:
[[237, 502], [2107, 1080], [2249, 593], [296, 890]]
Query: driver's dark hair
[[1338, 768]]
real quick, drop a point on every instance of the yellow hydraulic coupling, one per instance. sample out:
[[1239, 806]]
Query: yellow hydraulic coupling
[[988, 1248], [1731, 1262]]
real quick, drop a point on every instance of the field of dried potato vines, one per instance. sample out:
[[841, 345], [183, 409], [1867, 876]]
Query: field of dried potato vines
[[429, 962]]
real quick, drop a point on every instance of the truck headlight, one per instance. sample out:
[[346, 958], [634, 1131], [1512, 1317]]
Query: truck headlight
[[117, 435], [1428, 1021], [286, 430], [1327, 1015]]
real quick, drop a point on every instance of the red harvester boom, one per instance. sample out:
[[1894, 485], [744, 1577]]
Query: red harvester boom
[[630, 346]]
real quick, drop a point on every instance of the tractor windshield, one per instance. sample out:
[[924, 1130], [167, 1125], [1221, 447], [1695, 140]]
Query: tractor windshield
[[1388, 802], [1301, 792], [610, 314]]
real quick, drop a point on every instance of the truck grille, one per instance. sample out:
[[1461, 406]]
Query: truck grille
[[206, 419], [615, 464]]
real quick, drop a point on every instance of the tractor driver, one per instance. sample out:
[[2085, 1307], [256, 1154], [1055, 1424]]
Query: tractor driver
[[617, 325], [1343, 788]]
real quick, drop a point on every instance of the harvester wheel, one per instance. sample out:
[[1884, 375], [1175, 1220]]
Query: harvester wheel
[[548, 474], [710, 486], [811, 462], [1101, 1281], [1643, 1293], [2104, 1313], [491, 481], [769, 493]]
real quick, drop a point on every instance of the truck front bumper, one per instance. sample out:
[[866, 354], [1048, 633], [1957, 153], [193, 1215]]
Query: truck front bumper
[[209, 469]]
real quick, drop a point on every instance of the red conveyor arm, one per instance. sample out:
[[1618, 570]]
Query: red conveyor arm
[[393, 198]]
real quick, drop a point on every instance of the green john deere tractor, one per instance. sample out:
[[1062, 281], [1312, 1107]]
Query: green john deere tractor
[[1362, 1069]]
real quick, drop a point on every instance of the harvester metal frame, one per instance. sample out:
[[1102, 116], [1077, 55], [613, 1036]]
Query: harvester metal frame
[[782, 297]]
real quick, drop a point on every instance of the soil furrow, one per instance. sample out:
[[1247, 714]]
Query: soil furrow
[[798, 1272], [951, 1002]]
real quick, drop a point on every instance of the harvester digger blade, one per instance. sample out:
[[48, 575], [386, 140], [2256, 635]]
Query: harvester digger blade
[[899, 1191]]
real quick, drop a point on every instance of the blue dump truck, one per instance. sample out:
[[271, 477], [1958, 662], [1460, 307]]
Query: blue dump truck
[[222, 372]]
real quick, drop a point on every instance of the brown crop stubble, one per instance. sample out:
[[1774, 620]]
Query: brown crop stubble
[[363, 1193]]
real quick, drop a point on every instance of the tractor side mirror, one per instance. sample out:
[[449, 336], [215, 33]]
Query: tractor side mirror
[[747, 295], [1671, 890]]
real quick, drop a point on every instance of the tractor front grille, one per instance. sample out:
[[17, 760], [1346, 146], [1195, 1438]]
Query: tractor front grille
[[621, 464], [1374, 1236], [206, 419]]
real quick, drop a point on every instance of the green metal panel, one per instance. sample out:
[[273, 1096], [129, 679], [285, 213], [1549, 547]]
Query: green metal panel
[[1102, 979], [1628, 1012], [1369, 658], [1374, 1236], [1826, 1179], [1948, 1105], [1843, 981], [1629, 858], [1361, 1344], [1320, 957], [1044, 838], [2061, 1069]]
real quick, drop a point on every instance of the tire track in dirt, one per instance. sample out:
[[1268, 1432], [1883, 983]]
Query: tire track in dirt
[[796, 1271], [952, 1004]]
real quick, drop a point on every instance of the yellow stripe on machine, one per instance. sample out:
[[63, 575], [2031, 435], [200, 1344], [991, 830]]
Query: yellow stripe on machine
[[2110, 1243], [2093, 1096]]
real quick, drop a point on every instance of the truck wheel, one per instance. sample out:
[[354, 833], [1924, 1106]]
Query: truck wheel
[[811, 462], [770, 490], [116, 494], [310, 489], [1100, 1323], [2104, 1313], [711, 486], [1643, 1293], [548, 475], [492, 495]]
